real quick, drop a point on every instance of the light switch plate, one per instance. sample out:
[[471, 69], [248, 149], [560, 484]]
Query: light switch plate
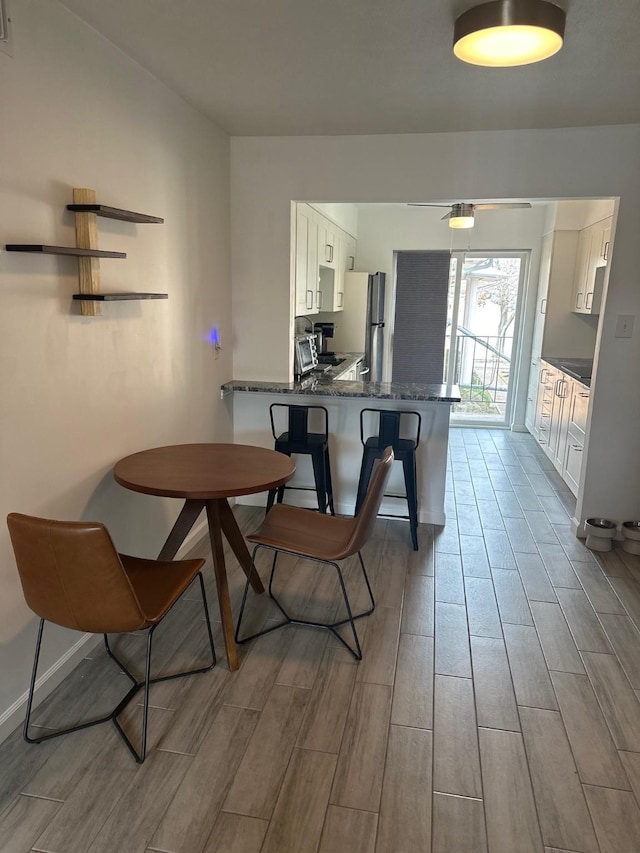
[[624, 325]]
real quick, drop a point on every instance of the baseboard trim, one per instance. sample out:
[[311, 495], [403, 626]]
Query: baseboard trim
[[58, 671], [46, 683]]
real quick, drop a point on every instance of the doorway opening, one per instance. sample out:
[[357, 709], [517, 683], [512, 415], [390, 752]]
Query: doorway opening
[[481, 342]]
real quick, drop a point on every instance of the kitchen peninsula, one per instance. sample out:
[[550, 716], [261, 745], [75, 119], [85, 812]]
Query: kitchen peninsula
[[344, 401]]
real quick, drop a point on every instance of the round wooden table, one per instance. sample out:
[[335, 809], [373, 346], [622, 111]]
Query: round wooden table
[[205, 475]]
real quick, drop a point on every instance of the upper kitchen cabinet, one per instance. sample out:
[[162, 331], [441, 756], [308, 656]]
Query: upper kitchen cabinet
[[306, 284], [593, 253], [327, 243], [323, 253]]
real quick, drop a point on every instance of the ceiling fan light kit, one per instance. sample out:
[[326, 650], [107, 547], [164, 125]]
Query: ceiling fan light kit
[[461, 216], [505, 33]]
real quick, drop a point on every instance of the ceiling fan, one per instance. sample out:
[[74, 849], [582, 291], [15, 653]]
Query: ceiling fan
[[462, 213]]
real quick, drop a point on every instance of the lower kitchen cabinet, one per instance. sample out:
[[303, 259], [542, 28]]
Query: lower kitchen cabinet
[[560, 421], [573, 463]]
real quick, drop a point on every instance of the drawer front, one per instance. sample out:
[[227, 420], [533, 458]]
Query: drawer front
[[579, 409], [573, 464]]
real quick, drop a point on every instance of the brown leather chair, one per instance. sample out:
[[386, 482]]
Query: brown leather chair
[[323, 539], [72, 576]]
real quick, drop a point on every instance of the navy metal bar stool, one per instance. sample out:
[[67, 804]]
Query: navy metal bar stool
[[404, 450], [298, 439]]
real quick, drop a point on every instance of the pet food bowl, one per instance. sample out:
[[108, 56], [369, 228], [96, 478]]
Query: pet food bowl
[[600, 532], [631, 533]]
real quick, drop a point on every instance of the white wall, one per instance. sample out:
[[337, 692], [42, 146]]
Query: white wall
[[344, 215], [267, 173], [78, 393]]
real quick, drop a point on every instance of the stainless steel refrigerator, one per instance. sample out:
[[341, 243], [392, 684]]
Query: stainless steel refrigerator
[[360, 326]]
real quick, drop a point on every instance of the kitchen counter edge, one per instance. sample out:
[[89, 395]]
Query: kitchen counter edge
[[425, 392]]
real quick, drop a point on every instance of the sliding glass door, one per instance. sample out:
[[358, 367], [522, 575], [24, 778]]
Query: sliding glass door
[[483, 320]]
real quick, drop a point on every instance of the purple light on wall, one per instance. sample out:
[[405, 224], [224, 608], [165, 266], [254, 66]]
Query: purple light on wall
[[214, 337]]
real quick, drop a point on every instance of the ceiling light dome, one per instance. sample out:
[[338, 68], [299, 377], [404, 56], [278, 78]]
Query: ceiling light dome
[[505, 33], [461, 216]]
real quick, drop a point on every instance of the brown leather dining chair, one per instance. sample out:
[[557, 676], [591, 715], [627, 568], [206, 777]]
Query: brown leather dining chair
[[72, 576], [322, 539]]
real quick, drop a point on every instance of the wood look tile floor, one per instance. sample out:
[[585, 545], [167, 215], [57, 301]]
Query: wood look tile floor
[[496, 710]]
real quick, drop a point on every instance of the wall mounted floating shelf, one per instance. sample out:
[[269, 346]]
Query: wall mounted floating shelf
[[114, 213], [86, 212], [118, 297], [38, 248]]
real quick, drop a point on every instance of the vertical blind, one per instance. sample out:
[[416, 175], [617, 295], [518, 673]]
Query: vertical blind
[[422, 283]]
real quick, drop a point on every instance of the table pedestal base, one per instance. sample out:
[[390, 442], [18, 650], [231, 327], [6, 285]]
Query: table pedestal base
[[221, 520]]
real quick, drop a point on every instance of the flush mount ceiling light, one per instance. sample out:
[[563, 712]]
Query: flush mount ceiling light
[[505, 33]]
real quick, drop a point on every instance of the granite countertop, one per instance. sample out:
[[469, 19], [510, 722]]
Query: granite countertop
[[577, 368], [333, 372], [326, 384], [371, 390]]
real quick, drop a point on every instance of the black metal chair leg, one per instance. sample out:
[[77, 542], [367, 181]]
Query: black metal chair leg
[[368, 459], [320, 477], [241, 640], [32, 685], [271, 499], [358, 652], [327, 465], [409, 468], [205, 607], [136, 685]]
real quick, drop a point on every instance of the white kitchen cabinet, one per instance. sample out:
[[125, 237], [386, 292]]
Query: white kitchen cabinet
[[547, 378], [593, 252], [327, 242], [346, 262], [559, 426], [532, 397], [349, 252], [323, 253], [560, 421], [577, 425], [306, 284], [354, 373], [573, 464]]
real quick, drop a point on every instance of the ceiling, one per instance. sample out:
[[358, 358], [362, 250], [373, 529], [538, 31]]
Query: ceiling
[[297, 67]]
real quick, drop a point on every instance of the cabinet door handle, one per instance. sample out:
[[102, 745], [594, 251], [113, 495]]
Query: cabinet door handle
[[579, 300], [328, 252], [584, 394], [366, 370], [319, 298], [309, 298], [588, 300], [577, 448], [543, 379], [340, 298], [351, 262], [605, 254], [566, 394], [543, 306], [556, 386]]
